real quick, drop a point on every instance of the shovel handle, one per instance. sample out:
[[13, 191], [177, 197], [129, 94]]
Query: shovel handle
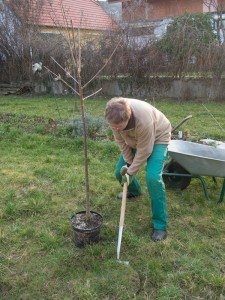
[[123, 205]]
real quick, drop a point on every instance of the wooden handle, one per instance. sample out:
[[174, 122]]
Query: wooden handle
[[123, 205]]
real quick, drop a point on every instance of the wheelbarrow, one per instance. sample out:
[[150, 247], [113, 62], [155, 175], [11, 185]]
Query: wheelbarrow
[[192, 160]]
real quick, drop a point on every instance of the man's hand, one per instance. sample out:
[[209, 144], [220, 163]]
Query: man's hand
[[127, 178], [123, 170]]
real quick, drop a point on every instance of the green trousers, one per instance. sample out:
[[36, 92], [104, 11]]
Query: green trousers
[[155, 184]]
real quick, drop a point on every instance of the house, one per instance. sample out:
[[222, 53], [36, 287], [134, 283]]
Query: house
[[136, 10], [112, 9], [52, 16], [157, 14], [48, 21]]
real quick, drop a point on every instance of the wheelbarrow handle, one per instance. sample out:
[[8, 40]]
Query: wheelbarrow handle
[[184, 120]]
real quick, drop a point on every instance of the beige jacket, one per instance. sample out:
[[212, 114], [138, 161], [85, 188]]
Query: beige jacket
[[151, 127]]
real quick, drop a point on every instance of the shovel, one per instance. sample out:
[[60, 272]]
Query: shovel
[[122, 214]]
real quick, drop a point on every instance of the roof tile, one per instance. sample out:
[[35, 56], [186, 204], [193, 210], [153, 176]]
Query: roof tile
[[86, 14]]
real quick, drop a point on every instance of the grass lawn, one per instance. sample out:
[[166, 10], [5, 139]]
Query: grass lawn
[[42, 184]]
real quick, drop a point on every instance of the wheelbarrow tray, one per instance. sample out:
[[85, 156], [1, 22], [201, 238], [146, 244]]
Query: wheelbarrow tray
[[198, 159]]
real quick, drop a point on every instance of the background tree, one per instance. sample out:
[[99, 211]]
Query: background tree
[[187, 44], [22, 43]]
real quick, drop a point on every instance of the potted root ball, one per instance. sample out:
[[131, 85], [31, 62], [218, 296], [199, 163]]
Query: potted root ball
[[86, 230]]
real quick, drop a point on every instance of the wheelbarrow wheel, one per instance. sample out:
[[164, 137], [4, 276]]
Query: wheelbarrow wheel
[[174, 181]]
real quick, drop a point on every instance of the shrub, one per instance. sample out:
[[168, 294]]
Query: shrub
[[93, 126]]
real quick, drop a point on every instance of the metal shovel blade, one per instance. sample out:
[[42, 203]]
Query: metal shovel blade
[[119, 241], [122, 215]]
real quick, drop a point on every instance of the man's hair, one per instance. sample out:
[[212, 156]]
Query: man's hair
[[117, 110]]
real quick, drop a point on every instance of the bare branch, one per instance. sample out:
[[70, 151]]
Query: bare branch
[[62, 80], [93, 94], [104, 65], [66, 72]]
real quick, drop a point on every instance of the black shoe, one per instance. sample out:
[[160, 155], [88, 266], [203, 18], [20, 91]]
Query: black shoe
[[158, 235], [129, 195]]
